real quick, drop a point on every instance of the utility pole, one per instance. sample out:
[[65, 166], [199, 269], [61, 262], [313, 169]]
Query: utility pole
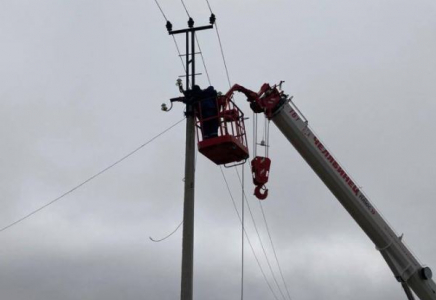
[[188, 207]]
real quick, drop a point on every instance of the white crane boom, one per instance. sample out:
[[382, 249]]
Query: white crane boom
[[286, 116], [403, 264]]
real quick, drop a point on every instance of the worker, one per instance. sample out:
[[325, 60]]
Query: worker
[[209, 111]]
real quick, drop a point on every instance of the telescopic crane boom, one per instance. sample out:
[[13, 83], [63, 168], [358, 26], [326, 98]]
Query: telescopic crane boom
[[279, 108]]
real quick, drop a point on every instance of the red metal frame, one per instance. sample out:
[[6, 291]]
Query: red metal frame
[[266, 100], [230, 145]]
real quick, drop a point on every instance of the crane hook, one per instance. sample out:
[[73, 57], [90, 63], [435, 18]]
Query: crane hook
[[261, 192]]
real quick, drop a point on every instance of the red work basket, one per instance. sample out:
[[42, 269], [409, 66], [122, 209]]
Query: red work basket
[[221, 131]]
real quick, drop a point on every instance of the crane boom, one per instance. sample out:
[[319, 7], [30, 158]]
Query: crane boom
[[285, 115]]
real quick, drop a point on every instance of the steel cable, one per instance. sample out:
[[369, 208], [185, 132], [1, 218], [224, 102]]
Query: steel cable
[[246, 235], [90, 178]]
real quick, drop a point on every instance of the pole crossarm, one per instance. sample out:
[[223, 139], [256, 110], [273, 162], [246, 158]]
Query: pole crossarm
[[190, 29]]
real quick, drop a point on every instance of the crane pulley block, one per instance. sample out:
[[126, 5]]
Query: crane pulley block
[[260, 167]]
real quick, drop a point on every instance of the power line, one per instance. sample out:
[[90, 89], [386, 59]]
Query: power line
[[246, 235], [202, 58], [274, 249], [208, 4], [90, 178], [184, 6], [198, 45], [164, 238], [174, 39], [242, 183], [260, 240], [243, 229], [221, 46], [160, 8], [178, 52], [222, 54]]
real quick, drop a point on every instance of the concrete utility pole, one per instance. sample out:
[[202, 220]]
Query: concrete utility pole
[[188, 208]]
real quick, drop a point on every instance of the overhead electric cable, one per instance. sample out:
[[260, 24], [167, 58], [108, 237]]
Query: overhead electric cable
[[184, 6], [199, 48], [246, 235], [164, 238], [177, 228], [178, 52], [274, 249], [242, 231], [222, 54], [260, 239], [174, 39], [202, 59], [90, 178], [208, 5], [160, 8], [221, 46]]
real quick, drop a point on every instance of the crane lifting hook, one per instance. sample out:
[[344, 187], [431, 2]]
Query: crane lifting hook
[[261, 192], [260, 167]]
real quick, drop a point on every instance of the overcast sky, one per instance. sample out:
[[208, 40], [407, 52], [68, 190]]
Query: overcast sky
[[82, 84]]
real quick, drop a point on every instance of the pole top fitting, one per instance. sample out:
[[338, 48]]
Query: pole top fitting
[[190, 23], [169, 26], [212, 19]]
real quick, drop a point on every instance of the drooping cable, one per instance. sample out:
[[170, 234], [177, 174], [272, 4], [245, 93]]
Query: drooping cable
[[260, 240], [91, 178], [177, 228], [246, 235], [164, 238]]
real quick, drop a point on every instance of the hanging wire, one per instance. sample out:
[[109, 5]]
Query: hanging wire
[[164, 238], [177, 228], [264, 129], [267, 137], [246, 235], [91, 178], [242, 231], [254, 134], [260, 239]]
